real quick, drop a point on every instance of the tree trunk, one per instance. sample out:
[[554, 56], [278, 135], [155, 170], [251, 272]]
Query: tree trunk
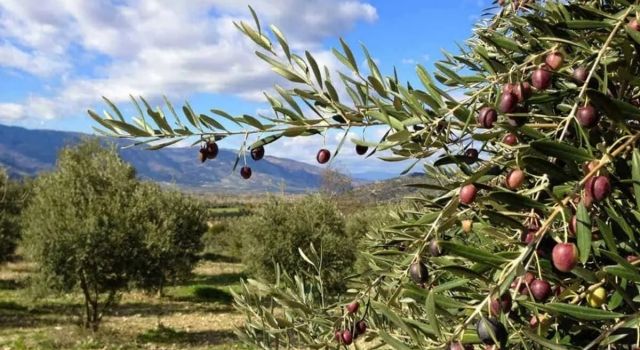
[[161, 288], [95, 317], [87, 300]]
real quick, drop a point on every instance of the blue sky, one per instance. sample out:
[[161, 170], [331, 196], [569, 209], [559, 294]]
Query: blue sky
[[58, 57]]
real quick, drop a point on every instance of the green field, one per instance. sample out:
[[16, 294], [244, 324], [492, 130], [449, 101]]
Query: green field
[[196, 314]]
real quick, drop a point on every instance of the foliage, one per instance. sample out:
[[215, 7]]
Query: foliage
[[222, 237], [515, 222], [12, 198], [277, 229], [91, 225], [81, 228], [173, 227]]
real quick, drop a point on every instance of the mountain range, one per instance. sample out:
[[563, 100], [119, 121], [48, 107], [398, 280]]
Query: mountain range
[[27, 152]]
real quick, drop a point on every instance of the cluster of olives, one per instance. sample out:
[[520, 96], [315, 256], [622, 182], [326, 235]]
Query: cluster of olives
[[564, 256], [210, 151], [515, 94], [324, 155], [349, 334]]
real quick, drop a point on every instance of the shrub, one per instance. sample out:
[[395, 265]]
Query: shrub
[[278, 228], [91, 225], [80, 226], [12, 198], [173, 227], [361, 223], [223, 237]]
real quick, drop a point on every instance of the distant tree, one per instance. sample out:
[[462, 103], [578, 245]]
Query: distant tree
[[335, 182], [173, 227], [12, 196], [276, 231], [82, 226]]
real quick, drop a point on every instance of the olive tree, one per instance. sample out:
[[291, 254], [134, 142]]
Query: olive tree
[[530, 132], [81, 227], [276, 230], [12, 198], [173, 225]]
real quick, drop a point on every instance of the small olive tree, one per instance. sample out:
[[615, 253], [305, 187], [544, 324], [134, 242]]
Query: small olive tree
[[173, 225], [276, 230], [81, 226]]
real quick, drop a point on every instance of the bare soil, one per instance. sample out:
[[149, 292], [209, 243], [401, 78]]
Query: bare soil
[[197, 314]]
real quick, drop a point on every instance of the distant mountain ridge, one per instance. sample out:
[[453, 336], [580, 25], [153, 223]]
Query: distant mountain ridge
[[27, 152]]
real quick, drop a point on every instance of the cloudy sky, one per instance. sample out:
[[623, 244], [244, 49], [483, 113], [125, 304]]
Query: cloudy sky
[[58, 57]]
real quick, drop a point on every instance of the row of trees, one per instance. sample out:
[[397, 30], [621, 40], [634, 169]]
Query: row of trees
[[90, 225], [13, 195]]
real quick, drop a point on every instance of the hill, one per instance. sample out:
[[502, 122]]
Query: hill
[[26, 152], [391, 190]]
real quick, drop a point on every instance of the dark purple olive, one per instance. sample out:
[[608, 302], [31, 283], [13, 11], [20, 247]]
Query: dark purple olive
[[361, 327], [470, 155], [587, 116], [541, 79], [564, 256], [245, 172], [347, 337], [540, 289], [323, 156], [360, 149], [202, 155], [516, 121], [490, 331], [580, 75], [573, 225], [353, 307], [419, 272], [508, 103], [434, 248], [212, 150], [257, 153], [598, 188], [522, 91], [338, 336], [501, 305], [486, 117], [508, 88], [510, 139]]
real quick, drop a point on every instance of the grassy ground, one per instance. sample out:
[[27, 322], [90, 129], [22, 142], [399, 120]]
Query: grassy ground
[[195, 315]]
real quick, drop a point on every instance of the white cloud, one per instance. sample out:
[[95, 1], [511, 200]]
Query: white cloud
[[37, 63], [413, 61], [11, 111], [308, 22], [151, 47], [409, 61]]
